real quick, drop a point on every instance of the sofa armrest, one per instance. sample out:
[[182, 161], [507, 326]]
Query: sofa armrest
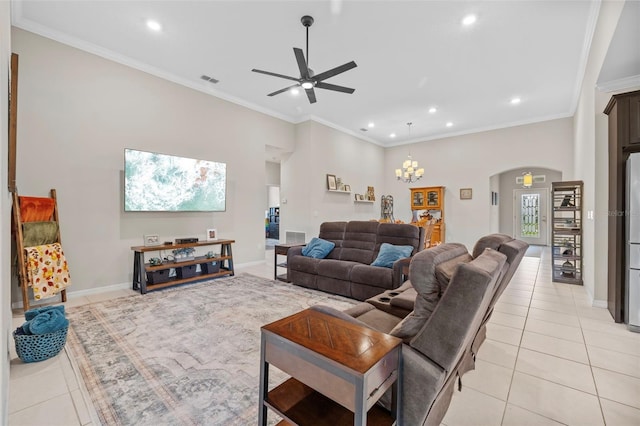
[[293, 251], [400, 271]]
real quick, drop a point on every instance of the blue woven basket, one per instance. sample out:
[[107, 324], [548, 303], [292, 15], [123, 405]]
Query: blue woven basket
[[38, 347]]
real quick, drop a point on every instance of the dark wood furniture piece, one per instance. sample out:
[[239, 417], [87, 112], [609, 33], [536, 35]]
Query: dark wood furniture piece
[[566, 231], [339, 370], [140, 268], [281, 250], [624, 138]]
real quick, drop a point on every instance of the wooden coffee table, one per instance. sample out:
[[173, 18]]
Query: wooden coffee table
[[339, 370]]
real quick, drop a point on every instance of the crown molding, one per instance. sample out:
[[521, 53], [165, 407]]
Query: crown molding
[[621, 84]]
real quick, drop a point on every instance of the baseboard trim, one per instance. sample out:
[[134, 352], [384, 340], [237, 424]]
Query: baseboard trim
[[73, 295], [600, 304]]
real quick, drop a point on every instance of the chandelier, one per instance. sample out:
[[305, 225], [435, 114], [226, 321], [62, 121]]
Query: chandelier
[[410, 172]]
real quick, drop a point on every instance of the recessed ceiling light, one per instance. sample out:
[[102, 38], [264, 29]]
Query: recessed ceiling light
[[515, 101], [371, 125], [153, 25], [432, 110], [295, 91], [392, 135], [449, 124], [469, 19]]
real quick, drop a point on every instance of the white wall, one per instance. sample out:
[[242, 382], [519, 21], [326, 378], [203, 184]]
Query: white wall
[[468, 161], [78, 112], [321, 150], [592, 169], [5, 213]]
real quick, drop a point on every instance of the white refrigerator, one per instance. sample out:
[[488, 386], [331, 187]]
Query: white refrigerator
[[632, 298]]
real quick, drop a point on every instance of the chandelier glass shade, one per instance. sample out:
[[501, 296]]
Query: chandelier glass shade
[[410, 172]]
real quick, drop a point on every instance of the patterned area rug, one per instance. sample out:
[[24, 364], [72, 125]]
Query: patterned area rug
[[185, 355]]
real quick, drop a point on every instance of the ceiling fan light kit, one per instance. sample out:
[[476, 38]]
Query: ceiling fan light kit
[[308, 80]]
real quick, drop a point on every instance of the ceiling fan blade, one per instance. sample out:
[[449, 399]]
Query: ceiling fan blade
[[323, 85], [302, 63], [335, 71], [275, 75], [311, 95], [277, 92]]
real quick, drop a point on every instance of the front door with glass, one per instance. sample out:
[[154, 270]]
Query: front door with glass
[[530, 215]]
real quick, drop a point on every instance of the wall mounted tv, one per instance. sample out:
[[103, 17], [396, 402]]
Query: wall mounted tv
[[165, 183]]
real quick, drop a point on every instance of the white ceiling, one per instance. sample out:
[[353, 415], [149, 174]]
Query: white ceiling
[[411, 55]]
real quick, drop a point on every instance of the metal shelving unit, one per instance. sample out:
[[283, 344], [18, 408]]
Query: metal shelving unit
[[566, 245]]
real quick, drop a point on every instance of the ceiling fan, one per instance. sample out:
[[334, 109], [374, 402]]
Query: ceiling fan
[[308, 80]]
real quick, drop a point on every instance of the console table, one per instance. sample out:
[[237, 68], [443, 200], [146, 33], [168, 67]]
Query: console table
[[140, 268], [339, 370]]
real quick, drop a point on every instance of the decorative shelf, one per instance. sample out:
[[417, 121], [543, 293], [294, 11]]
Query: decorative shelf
[[337, 190], [364, 201]]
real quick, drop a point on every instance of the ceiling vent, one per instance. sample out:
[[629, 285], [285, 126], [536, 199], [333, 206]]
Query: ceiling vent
[[209, 79]]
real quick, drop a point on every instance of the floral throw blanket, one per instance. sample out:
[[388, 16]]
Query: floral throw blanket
[[47, 270]]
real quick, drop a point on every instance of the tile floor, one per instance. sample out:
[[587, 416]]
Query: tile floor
[[549, 359]]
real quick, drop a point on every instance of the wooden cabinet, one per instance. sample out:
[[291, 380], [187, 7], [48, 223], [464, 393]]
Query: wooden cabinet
[[428, 203], [624, 138]]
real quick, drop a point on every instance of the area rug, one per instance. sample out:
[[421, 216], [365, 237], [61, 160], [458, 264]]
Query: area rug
[[186, 355]]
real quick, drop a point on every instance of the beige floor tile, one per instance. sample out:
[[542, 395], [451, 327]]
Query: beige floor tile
[[67, 370], [514, 300], [571, 320], [80, 405], [557, 370], [491, 379], [498, 353], [594, 313], [555, 330], [56, 411], [564, 300], [552, 291], [616, 343], [553, 306], [516, 416], [509, 308], [616, 414], [609, 327], [614, 361], [474, 408], [49, 382], [524, 286], [503, 334], [554, 401], [617, 387], [512, 292], [553, 346], [508, 320]]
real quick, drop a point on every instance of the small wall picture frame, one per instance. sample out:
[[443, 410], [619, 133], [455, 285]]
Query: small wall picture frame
[[151, 240], [212, 234], [466, 193], [331, 183], [347, 188]]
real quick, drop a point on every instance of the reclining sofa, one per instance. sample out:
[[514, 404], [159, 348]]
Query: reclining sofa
[[453, 296], [347, 269]]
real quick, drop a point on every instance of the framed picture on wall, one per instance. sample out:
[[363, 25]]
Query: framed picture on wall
[[466, 193], [331, 183], [151, 240]]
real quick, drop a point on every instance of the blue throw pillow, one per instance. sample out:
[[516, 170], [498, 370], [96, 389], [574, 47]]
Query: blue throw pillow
[[389, 253], [318, 248]]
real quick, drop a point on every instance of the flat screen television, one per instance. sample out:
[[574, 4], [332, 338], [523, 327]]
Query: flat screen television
[[156, 182]]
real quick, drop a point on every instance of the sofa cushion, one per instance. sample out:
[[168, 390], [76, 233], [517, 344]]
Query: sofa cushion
[[338, 269], [374, 318], [360, 241], [400, 234], [492, 241], [405, 300], [389, 253], [445, 270], [334, 232], [372, 275], [423, 279], [304, 264], [318, 248]]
